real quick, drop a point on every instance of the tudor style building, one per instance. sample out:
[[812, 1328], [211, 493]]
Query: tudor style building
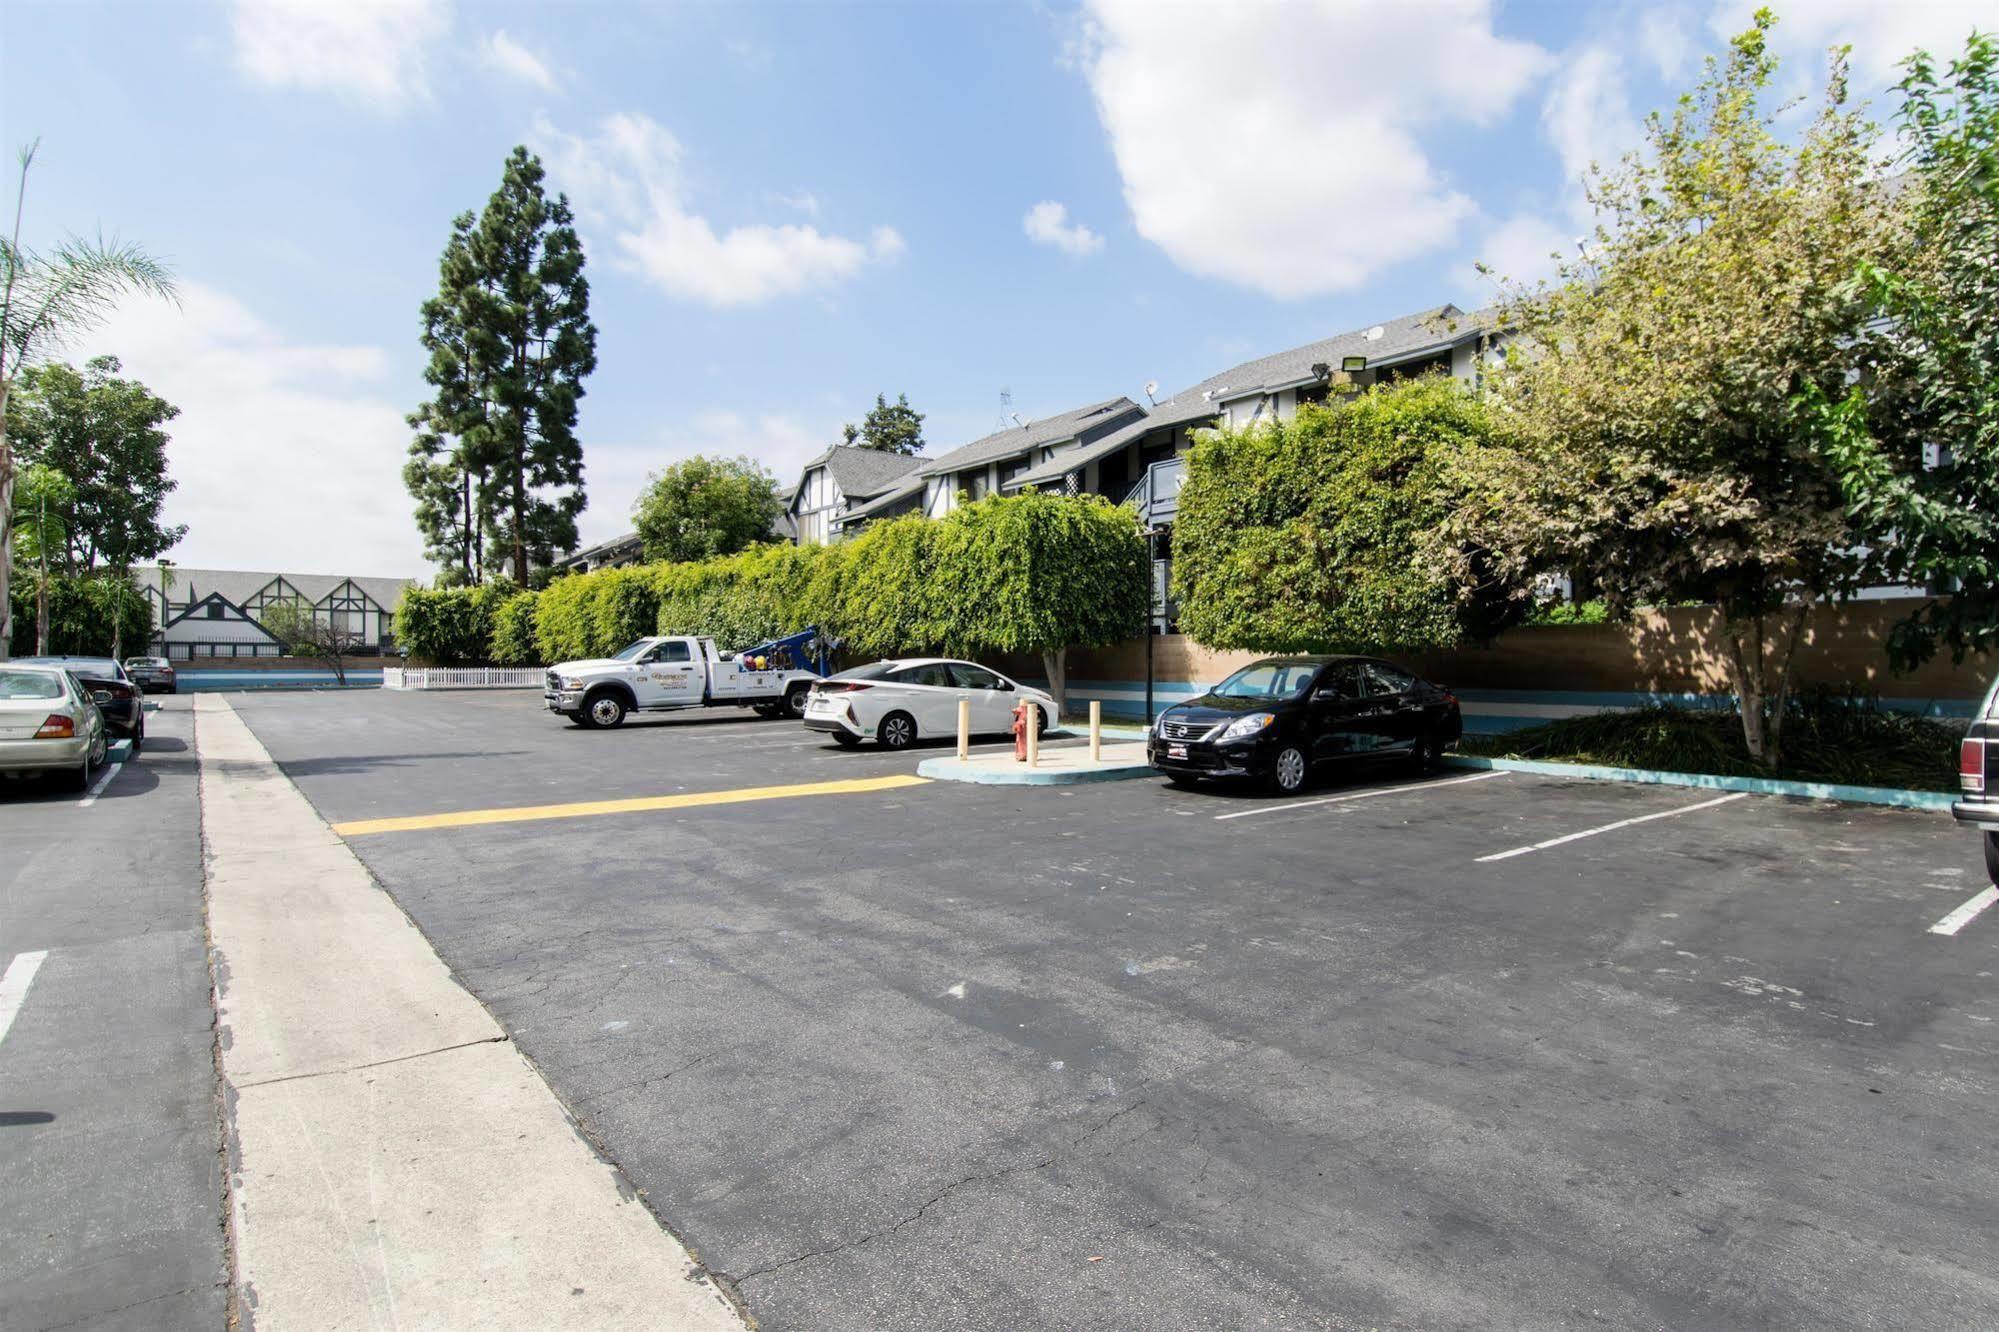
[[218, 612]]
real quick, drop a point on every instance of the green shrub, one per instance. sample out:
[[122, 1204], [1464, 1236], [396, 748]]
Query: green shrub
[[514, 631], [1828, 737], [451, 625], [85, 613], [1570, 612], [1310, 534]]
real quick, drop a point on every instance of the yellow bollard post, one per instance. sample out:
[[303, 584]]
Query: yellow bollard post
[[1034, 738], [1096, 731], [964, 729]]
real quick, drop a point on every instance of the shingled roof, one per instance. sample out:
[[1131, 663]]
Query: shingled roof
[[862, 473], [1026, 438], [1398, 339]]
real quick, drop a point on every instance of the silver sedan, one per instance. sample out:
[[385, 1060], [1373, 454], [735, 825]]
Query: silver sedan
[[49, 723]]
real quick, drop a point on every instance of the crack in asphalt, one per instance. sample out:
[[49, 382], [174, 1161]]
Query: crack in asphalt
[[983, 1177]]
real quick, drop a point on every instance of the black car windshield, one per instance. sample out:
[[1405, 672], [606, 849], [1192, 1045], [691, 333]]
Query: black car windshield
[[874, 670], [632, 653], [29, 684], [1268, 679]]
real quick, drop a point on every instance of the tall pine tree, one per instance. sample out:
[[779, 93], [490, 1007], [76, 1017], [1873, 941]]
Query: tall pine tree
[[496, 469]]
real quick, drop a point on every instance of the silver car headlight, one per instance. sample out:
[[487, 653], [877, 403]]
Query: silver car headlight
[[1244, 727]]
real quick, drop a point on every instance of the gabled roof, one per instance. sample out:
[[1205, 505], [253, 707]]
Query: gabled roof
[[861, 473], [617, 548], [888, 499], [239, 585], [1400, 339], [1017, 440]]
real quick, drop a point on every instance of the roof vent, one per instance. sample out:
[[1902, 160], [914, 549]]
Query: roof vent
[[1374, 334]]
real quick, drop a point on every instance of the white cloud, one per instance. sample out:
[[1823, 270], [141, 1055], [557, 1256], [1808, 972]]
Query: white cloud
[[503, 55], [1524, 249], [1881, 33], [1295, 176], [288, 456], [1587, 117], [627, 179], [374, 52], [1047, 223], [805, 201], [616, 473], [1664, 37]]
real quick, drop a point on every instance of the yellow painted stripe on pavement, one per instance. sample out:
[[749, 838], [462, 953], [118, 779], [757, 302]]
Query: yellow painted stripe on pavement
[[468, 818]]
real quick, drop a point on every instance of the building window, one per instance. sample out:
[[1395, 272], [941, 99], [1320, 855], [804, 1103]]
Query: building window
[[974, 486]]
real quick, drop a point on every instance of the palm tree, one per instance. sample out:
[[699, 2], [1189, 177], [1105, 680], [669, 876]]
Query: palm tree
[[44, 299]]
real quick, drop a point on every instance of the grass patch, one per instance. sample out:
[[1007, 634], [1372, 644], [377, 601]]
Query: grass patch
[[1827, 738]]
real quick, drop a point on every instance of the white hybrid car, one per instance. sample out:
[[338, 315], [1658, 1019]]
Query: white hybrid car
[[899, 702]]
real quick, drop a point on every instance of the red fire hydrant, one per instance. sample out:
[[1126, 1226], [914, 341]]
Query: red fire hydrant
[[1023, 714]]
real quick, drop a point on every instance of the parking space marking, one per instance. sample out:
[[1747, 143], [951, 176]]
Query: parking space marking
[[1965, 914], [1612, 827], [14, 986], [468, 818], [1360, 795], [97, 788]]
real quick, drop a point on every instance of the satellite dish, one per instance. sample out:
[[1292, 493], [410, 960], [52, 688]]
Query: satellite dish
[[1152, 391], [1374, 334]]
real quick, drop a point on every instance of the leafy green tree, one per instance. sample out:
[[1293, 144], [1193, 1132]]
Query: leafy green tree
[[514, 631], [41, 496], [1304, 535], [303, 632], [1038, 573], [453, 625], [496, 468], [891, 427], [703, 507], [106, 436], [1916, 444], [1654, 393], [44, 300], [87, 613]]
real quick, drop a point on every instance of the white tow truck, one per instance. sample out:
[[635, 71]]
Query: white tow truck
[[673, 672]]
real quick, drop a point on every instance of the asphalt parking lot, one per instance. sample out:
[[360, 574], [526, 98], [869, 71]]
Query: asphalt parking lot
[[109, 1137], [923, 1055]]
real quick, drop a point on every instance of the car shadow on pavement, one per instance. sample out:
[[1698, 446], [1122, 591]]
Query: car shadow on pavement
[[346, 765]]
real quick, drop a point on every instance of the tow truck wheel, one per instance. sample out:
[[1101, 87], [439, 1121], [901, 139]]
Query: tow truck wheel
[[603, 709], [794, 700]]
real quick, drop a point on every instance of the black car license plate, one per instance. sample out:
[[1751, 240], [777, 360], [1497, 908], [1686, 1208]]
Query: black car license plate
[[1176, 751]]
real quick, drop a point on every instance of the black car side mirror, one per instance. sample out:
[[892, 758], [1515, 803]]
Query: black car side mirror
[[1327, 695], [100, 696]]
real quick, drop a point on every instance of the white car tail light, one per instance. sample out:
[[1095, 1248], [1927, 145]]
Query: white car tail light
[[1971, 767], [57, 727]]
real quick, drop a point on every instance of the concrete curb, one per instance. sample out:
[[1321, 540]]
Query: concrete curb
[[954, 770], [1853, 795]]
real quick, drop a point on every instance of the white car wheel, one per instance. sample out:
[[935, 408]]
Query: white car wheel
[[897, 731]]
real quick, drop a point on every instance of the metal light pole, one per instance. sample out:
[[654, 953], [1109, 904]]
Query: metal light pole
[[1151, 613]]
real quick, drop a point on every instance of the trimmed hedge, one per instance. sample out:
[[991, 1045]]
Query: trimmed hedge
[[1022, 573]]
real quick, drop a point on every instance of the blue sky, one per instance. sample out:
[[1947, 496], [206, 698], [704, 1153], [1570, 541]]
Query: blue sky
[[790, 207]]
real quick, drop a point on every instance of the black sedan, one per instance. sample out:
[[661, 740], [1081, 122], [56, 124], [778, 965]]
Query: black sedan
[[120, 699], [1276, 720], [1978, 778]]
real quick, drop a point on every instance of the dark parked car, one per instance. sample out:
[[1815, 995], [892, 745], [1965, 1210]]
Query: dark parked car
[[155, 675], [1275, 720], [1978, 778], [118, 698]]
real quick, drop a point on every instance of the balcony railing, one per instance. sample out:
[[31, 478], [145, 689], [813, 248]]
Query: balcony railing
[[1157, 494]]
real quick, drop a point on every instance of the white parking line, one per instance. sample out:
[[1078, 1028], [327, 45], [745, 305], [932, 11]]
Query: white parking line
[[90, 798], [14, 986], [1612, 827], [1359, 795], [1965, 914]]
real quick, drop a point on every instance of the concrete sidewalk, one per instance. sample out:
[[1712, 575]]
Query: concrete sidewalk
[[1058, 766], [394, 1161]]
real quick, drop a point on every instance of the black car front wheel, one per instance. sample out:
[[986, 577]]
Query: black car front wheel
[[1427, 754], [1288, 770]]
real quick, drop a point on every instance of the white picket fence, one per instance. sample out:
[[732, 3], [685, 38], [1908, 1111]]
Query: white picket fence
[[461, 677]]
